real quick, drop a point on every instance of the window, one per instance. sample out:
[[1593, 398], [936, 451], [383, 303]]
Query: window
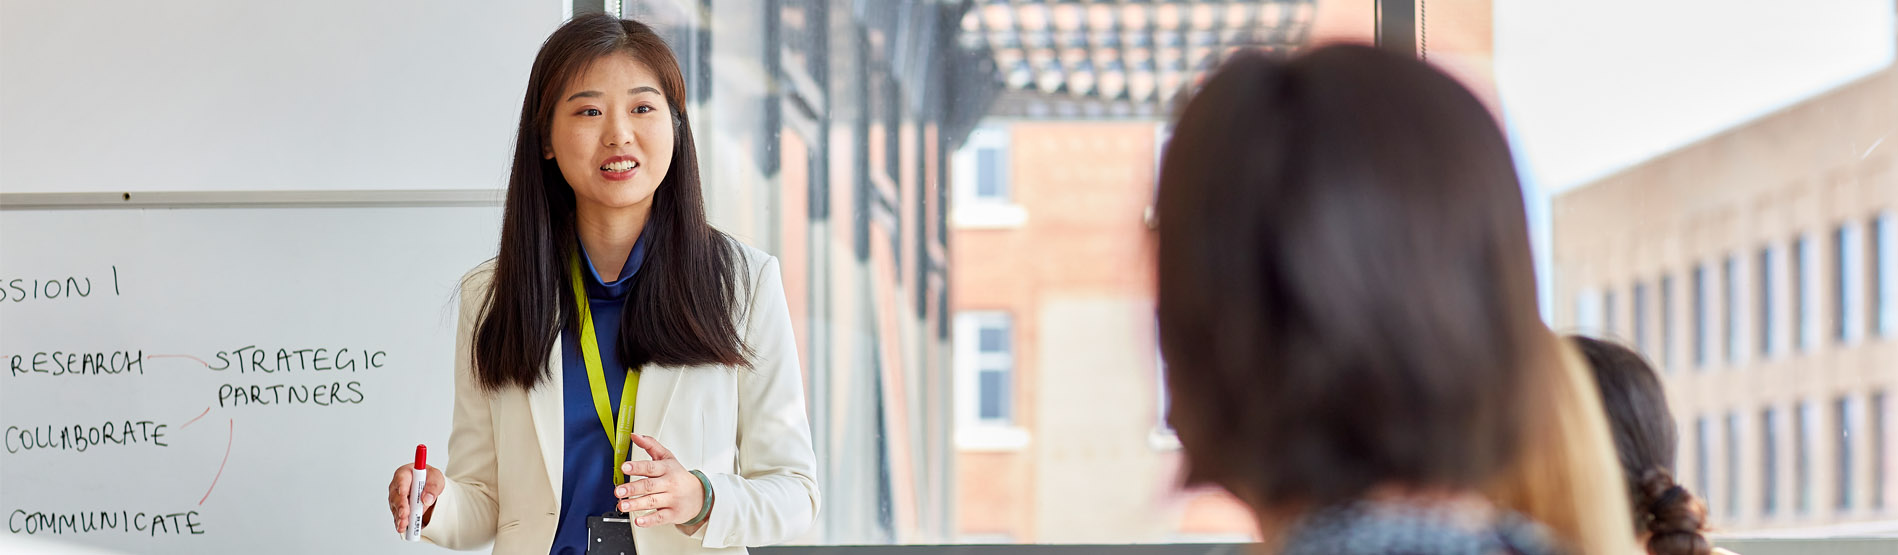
[[992, 376], [1701, 307], [1803, 424], [1608, 313], [1805, 319], [1769, 461], [991, 181], [1162, 437], [1848, 283], [1733, 464], [985, 387], [1765, 308], [983, 191], [1703, 481], [1667, 323], [1641, 319], [1878, 431], [1884, 275], [1730, 307], [1588, 307], [1161, 403], [1842, 453]]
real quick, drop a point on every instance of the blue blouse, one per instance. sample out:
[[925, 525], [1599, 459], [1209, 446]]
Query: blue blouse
[[586, 487]]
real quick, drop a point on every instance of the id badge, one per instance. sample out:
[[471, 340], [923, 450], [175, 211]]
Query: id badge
[[610, 535]]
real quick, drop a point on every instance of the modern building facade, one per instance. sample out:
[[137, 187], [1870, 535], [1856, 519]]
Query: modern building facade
[[1757, 269]]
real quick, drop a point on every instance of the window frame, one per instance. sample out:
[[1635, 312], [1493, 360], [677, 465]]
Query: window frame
[[973, 432], [1769, 461], [971, 209]]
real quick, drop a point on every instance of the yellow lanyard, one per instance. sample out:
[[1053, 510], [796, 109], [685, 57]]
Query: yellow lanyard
[[596, 378]]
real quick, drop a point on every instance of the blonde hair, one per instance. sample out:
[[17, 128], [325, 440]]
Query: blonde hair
[[1565, 474]]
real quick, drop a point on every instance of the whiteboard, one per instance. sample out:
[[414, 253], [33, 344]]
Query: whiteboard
[[299, 461]]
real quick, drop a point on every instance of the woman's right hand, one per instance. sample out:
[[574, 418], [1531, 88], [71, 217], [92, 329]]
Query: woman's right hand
[[399, 494]]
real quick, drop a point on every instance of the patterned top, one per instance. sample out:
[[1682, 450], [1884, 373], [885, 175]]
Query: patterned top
[[1393, 528]]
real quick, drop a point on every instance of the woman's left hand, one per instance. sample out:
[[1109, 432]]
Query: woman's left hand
[[670, 491]]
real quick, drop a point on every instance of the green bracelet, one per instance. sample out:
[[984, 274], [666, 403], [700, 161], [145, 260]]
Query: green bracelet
[[705, 506]]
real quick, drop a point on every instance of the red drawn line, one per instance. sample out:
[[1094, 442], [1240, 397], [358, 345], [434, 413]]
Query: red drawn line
[[220, 466], [200, 361], [207, 410]]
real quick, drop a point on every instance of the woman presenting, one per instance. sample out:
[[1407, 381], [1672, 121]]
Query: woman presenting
[[619, 354]]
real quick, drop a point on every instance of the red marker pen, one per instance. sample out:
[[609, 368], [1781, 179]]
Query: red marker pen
[[414, 533]]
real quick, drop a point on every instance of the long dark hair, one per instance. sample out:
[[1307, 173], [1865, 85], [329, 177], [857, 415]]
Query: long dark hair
[[680, 311], [1645, 437], [1346, 294]]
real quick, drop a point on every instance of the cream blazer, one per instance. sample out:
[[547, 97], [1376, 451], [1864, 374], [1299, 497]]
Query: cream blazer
[[744, 428]]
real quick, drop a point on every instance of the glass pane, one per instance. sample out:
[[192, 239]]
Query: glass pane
[[992, 183], [1653, 140], [1769, 462], [994, 340], [995, 396]]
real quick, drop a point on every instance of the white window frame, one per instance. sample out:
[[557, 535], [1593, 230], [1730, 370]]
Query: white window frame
[[974, 433], [972, 210]]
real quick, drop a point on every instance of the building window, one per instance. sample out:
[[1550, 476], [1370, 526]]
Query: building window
[[1884, 275], [1640, 327], [1848, 275], [1843, 451], [1588, 312], [1769, 461], [1163, 437], [1667, 323], [1803, 424], [1608, 313], [985, 387], [1878, 431], [1703, 482], [1730, 307], [992, 381], [1765, 308], [1733, 464], [983, 194], [991, 179], [1805, 321], [1701, 338]]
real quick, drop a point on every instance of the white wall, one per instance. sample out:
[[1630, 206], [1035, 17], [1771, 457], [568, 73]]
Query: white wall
[[206, 95]]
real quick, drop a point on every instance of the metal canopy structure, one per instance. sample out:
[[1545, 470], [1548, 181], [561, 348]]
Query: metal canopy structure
[[1132, 54]]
